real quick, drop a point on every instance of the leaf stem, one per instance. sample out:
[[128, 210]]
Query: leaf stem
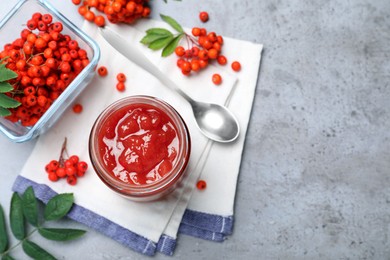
[[20, 242]]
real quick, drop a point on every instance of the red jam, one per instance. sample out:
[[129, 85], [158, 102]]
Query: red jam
[[138, 144]]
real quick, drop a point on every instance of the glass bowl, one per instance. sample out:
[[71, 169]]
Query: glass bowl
[[10, 28], [140, 147]]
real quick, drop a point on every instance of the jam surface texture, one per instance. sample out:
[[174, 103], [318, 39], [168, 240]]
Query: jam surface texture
[[138, 144]]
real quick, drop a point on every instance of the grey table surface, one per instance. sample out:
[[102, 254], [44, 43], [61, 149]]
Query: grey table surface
[[315, 173]]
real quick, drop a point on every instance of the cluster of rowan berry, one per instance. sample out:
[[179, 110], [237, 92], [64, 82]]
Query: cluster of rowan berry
[[204, 47], [71, 169], [46, 61], [116, 11]]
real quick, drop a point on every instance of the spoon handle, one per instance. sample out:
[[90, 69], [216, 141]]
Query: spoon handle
[[136, 56]]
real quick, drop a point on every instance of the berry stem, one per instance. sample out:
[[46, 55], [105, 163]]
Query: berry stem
[[61, 160]]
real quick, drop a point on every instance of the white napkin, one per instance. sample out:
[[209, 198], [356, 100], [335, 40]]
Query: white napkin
[[155, 223]]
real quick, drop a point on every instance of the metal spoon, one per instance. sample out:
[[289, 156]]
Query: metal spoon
[[215, 121]]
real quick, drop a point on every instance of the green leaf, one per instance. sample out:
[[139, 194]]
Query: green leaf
[[7, 257], [6, 74], [61, 234], [16, 217], [35, 251], [4, 112], [170, 48], [159, 31], [8, 102], [30, 206], [5, 87], [175, 25], [149, 38], [160, 43], [3, 232], [58, 206]]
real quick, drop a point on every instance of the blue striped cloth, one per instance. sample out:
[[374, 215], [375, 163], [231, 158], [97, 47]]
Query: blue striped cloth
[[197, 224]]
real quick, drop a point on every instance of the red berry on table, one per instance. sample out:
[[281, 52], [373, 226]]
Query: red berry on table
[[77, 108], [74, 159], [120, 86], [72, 180], [179, 50], [201, 185], [61, 173], [53, 176], [99, 20], [217, 79], [236, 66], [222, 60], [102, 71], [82, 166], [121, 77], [204, 16]]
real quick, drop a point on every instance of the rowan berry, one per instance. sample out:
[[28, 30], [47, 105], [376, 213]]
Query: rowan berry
[[65, 67], [82, 166], [42, 26], [77, 108], [47, 18], [40, 43], [76, 2], [21, 64], [236, 66], [32, 24], [99, 21], [74, 159], [29, 91], [41, 100], [53, 176], [57, 27], [120, 86], [36, 16], [221, 60], [195, 31], [179, 50], [212, 54], [204, 16], [121, 77], [61, 173], [217, 79], [201, 185], [102, 71], [71, 180]]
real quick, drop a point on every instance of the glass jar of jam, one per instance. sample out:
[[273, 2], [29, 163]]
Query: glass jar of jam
[[140, 147]]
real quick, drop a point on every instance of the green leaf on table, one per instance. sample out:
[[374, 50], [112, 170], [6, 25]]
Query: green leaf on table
[[172, 22], [5, 87], [61, 234], [170, 47], [149, 38], [158, 31], [8, 102], [3, 232], [4, 112], [58, 206], [35, 251], [160, 43], [16, 217], [6, 74], [7, 257], [30, 206]]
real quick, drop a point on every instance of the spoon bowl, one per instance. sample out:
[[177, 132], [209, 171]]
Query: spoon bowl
[[215, 121]]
